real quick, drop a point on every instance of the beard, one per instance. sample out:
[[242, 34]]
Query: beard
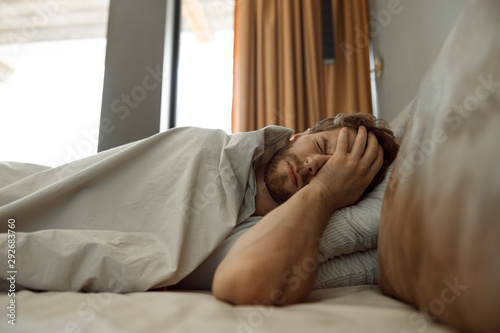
[[276, 181]]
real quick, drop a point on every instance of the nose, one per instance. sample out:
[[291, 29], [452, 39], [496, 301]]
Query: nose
[[313, 163]]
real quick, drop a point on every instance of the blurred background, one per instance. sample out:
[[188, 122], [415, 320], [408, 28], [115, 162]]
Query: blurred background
[[62, 78]]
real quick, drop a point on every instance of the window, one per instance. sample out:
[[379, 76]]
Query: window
[[51, 76], [205, 75], [52, 57]]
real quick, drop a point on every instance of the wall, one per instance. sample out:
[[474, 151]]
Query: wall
[[407, 34]]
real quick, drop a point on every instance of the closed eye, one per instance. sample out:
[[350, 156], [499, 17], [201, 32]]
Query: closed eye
[[319, 147], [323, 146]]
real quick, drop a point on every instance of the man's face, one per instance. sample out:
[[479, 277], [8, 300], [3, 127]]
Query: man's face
[[293, 166]]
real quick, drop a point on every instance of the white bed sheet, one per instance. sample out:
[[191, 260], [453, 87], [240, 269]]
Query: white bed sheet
[[347, 309]]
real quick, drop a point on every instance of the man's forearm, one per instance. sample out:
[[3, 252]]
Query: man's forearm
[[275, 262]]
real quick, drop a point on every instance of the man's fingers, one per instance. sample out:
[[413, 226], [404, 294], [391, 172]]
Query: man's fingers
[[373, 159], [377, 164], [342, 141], [375, 168], [358, 148], [371, 151]]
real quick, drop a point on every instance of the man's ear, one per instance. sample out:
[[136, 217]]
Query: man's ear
[[298, 135]]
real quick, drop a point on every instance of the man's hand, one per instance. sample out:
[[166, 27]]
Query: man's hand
[[347, 174]]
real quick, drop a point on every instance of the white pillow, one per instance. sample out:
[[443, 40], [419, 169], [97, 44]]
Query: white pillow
[[354, 228], [348, 270]]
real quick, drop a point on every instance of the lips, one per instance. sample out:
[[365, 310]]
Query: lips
[[292, 175]]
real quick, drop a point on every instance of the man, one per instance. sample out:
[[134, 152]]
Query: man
[[254, 268], [305, 157], [145, 215]]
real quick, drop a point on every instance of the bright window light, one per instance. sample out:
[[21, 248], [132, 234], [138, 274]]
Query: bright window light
[[205, 76], [51, 101]]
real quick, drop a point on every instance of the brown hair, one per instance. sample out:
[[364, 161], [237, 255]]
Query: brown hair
[[378, 127]]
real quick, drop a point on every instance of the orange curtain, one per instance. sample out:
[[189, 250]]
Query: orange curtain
[[279, 76]]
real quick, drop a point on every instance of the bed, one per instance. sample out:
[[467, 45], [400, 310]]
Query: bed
[[346, 309], [412, 261]]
